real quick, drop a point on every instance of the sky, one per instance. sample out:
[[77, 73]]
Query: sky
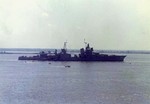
[[105, 24]]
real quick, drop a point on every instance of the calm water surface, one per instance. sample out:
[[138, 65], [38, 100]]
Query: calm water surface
[[28, 82]]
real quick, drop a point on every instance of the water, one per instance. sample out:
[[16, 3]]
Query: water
[[33, 82]]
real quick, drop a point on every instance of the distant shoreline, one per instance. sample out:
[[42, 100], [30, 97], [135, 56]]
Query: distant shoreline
[[75, 51], [16, 53]]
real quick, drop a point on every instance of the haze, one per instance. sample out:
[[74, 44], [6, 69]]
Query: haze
[[105, 24]]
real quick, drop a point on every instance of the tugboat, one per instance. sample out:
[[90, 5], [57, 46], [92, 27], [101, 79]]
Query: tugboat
[[86, 54]]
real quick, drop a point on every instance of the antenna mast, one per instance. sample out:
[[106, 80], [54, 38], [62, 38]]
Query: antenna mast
[[65, 45], [85, 42]]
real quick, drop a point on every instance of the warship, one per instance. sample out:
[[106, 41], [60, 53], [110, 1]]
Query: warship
[[86, 54]]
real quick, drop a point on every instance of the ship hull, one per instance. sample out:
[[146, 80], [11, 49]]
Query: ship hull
[[112, 58]]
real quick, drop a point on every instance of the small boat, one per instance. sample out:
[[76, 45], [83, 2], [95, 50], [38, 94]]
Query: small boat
[[67, 66]]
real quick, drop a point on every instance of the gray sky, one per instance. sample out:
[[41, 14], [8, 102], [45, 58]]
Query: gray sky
[[106, 24]]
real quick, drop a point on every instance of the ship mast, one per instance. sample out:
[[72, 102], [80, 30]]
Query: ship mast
[[85, 43], [65, 45]]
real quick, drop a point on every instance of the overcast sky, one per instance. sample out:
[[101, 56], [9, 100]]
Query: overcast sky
[[106, 24]]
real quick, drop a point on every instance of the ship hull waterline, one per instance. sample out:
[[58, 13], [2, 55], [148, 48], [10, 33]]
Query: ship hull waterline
[[101, 59]]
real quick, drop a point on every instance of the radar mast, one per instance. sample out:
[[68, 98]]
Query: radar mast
[[85, 43], [65, 45]]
